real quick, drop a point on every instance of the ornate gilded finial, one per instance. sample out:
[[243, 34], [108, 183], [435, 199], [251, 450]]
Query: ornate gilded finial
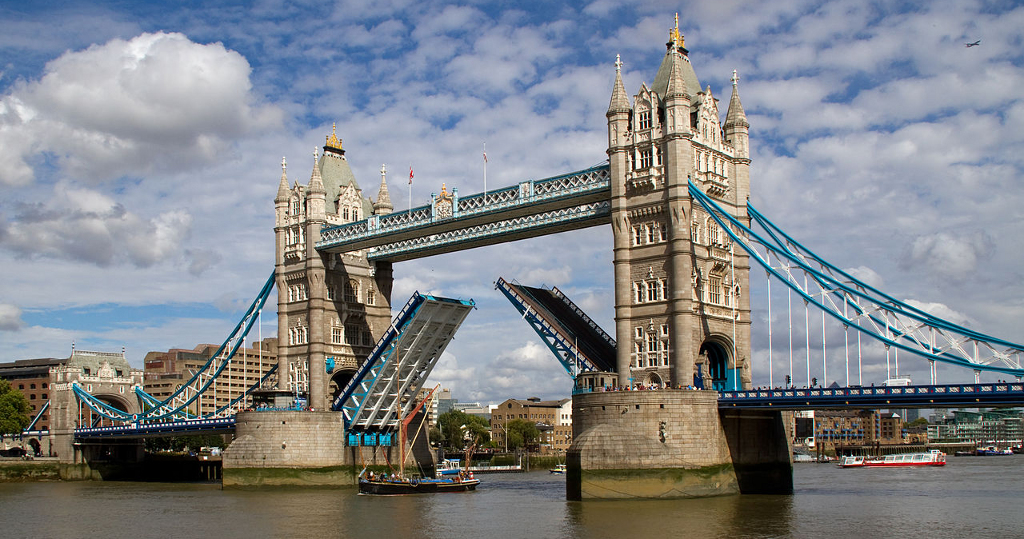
[[674, 36], [332, 140], [735, 78], [443, 190], [618, 64]]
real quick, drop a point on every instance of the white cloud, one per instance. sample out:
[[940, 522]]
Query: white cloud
[[157, 102], [941, 311], [867, 276], [85, 225], [10, 317], [952, 256]]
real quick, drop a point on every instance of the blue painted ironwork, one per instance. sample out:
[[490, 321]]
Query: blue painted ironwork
[[938, 396], [564, 345], [174, 407], [858, 305], [386, 384], [165, 428], [35, 420], [532, 208], [356, 385]]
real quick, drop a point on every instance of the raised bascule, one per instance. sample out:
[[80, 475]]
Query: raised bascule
[[675, 193]]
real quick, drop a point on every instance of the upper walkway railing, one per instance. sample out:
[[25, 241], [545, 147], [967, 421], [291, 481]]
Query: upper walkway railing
[[528, 209]]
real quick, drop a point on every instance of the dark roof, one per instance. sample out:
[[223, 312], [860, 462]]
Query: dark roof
[[29, 367]]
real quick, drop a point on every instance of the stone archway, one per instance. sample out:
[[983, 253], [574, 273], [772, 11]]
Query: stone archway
[[653, 379], [717, 365], [92, 419], [339, 379]]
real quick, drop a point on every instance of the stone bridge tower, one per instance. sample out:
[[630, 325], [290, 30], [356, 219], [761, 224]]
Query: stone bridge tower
[[682, 312], [105, 375], [331, 308]]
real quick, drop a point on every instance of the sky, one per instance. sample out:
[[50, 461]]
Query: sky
[[141, 146]]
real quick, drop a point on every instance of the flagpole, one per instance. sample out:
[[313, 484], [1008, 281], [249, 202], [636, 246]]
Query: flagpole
[[485, 168], [410, 188]]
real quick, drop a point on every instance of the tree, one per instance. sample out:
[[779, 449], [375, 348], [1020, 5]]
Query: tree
[[14, 409], [521, 433], [919, 422], [458, 429]]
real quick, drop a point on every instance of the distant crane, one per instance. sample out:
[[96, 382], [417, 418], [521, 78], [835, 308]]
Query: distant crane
[[975, 44]]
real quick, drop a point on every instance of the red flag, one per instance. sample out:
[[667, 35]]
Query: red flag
[[410, 174], [485, 157]]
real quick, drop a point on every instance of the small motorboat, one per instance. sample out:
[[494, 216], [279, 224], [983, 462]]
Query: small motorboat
[[558, 469]]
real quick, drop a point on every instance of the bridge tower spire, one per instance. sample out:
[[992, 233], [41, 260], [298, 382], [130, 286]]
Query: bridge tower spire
[[680, 305]]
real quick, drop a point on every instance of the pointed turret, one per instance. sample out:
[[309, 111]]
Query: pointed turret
[[735, 115], [282, 188], [736, 127], [383, 204], [316, 182], [316, 197], [619, 101]]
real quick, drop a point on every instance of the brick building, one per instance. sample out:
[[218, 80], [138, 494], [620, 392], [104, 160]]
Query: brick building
[[553, 419], [165, 372]]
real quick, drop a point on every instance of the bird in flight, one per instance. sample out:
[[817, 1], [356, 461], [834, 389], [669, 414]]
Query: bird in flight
[[975, 44]]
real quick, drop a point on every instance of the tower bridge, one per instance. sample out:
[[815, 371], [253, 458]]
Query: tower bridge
[[675, 193]]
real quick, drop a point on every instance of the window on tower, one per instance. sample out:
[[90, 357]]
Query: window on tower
[[645, 158], [645, 119]]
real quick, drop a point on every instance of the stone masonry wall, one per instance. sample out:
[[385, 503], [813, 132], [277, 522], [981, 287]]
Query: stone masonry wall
[[287, 440], [648, 444]]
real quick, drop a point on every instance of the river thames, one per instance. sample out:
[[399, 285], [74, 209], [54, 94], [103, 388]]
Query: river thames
[[969, 497]]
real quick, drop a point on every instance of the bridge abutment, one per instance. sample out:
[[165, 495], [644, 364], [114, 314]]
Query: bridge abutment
[[673, 444], [304, 448], [648, 444]]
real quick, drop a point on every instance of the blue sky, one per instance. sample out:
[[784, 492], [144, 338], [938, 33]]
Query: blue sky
[[140, 149]]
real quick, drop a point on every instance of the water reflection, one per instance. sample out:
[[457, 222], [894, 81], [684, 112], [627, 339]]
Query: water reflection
[[725, 516]]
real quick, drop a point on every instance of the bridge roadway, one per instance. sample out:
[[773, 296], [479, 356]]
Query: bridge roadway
[[1001, 394], [992, 395]]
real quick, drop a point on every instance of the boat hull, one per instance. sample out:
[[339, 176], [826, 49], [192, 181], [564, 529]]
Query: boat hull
[[424, 486]]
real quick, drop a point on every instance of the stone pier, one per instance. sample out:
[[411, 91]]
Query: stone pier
[[672, 444], [303, 448]]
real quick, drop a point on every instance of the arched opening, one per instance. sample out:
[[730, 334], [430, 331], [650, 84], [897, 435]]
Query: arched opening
[[652, 379], [339, 380], [37, 448], [90, 419], [717, 365]]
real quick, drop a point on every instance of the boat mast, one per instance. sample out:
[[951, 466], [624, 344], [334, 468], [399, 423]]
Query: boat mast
[[398, 403]]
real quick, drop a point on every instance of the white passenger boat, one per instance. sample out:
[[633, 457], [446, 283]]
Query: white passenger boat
[[931, 458]]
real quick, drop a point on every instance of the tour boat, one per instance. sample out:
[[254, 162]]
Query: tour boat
[[931, 458], [393, 484], [558, 469]]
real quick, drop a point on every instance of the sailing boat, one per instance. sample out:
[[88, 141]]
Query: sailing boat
[[385, 484]]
